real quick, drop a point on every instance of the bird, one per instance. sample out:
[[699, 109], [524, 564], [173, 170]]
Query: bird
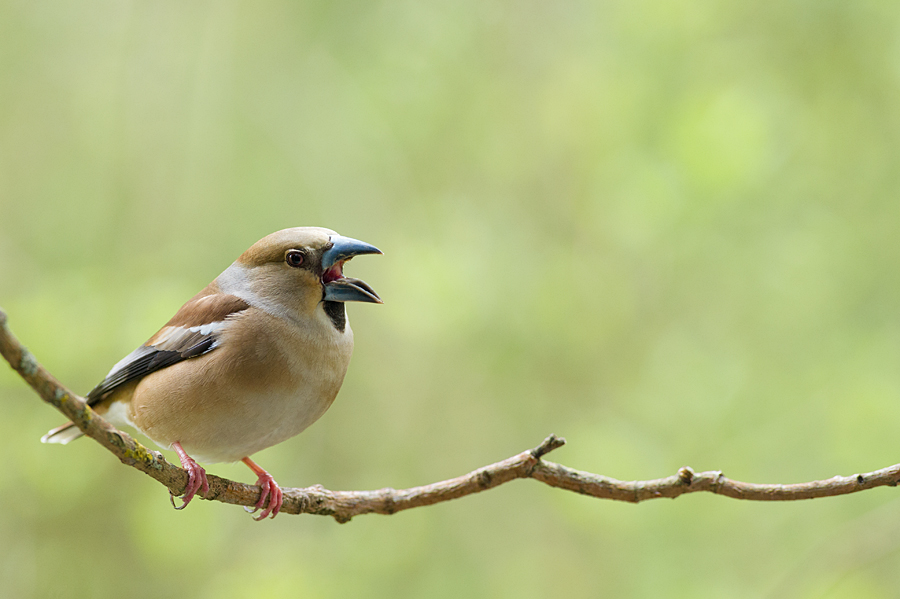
[[253, 359]]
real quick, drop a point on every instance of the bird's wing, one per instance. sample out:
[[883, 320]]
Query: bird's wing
[[192, 332]]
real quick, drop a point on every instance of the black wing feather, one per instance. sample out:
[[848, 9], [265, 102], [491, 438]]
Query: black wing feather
[[147, 359]]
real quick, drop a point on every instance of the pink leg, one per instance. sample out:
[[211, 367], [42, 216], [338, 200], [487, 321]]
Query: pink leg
[[268, 488], [196, 476]]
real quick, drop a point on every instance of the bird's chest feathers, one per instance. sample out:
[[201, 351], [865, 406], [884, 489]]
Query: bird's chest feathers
[[312, 365], [309, 366]]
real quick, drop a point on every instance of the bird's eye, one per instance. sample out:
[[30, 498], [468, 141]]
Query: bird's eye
[[294, 258]]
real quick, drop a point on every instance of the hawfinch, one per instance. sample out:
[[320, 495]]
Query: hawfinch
[[250, 361]]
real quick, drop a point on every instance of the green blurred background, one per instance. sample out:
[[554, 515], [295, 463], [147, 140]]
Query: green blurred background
[[666, 230]]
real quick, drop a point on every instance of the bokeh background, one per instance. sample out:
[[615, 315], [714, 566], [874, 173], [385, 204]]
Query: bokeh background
[[666, 230]]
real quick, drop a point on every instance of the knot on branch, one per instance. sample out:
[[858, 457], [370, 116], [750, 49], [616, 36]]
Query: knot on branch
[[387, 501]]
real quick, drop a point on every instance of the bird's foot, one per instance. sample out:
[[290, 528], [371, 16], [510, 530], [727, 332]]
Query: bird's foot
[[196, 477], [269, 489]]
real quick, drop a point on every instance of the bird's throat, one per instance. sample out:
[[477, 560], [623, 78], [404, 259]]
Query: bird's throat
[[337, 314]]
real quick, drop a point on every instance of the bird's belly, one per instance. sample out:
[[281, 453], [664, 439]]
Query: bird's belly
[[233, 437], [238, 427]]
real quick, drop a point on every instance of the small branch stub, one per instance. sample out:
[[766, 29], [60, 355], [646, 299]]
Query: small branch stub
[[549, 444]]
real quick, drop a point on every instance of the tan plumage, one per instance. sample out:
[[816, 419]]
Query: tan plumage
[[250, 361]]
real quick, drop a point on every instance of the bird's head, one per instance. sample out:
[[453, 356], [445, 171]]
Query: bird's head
[[295, 271]]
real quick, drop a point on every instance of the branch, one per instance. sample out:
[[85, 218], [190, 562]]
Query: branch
[[344, 505]]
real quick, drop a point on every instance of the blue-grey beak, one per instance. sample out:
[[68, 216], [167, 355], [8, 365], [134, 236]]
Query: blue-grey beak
[[339, 288]]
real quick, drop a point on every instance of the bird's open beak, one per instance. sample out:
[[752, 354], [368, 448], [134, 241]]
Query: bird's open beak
[[339, 288]]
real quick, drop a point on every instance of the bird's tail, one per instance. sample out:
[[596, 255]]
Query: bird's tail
[[62, 434]]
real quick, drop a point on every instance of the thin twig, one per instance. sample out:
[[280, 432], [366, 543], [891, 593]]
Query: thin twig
[[344, 505]]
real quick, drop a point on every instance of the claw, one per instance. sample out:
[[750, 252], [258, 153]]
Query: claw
[[269, 489], [196, 478]]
